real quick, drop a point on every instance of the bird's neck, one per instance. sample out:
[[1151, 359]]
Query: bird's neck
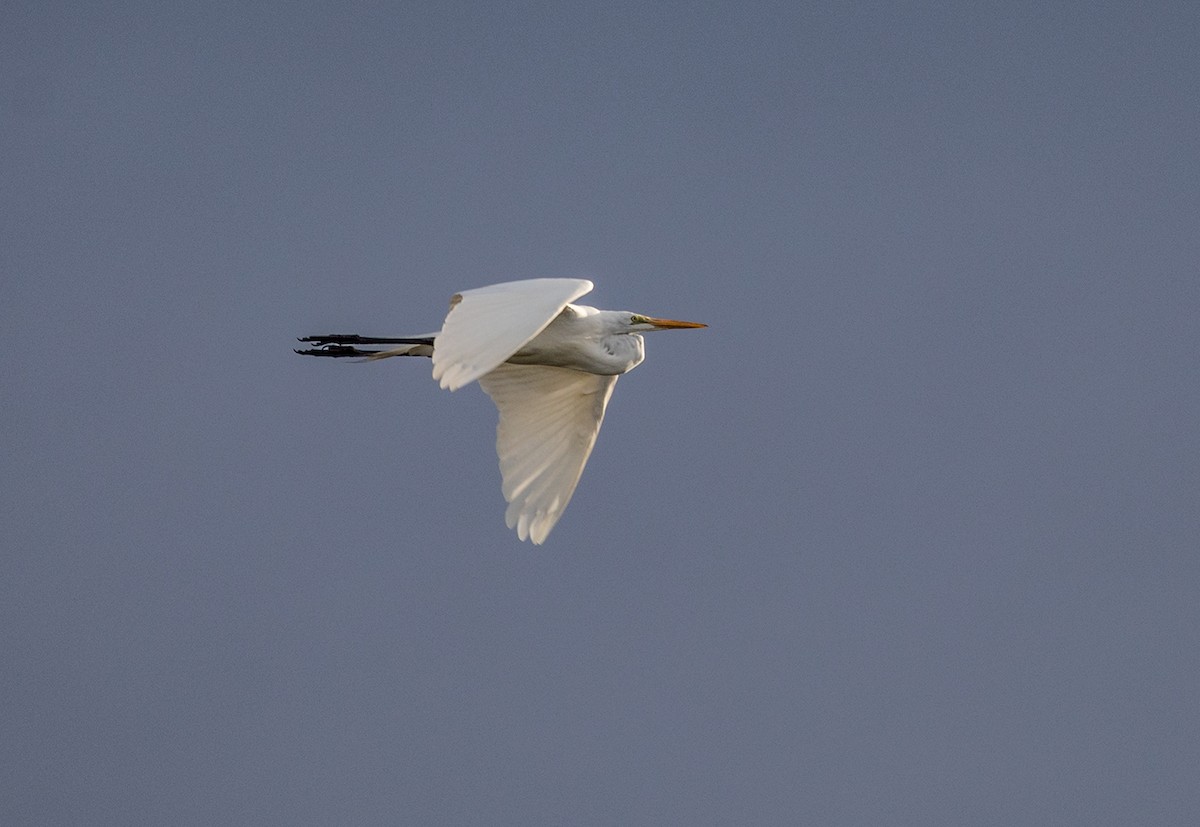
[[623, 351]]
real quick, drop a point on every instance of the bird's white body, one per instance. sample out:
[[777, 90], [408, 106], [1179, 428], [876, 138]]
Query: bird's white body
[[550, 367], [584, 338]]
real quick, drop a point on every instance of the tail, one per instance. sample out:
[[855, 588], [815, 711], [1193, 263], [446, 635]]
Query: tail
[[337, 345]]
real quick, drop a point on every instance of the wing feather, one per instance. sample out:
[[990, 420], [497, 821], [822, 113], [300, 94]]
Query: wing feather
[[487, 325], [549, 419]]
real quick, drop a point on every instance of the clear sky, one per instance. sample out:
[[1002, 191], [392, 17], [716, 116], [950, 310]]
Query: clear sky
[[909, 535]]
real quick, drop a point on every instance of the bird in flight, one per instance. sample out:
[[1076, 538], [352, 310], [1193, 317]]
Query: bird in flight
[[550, 367]]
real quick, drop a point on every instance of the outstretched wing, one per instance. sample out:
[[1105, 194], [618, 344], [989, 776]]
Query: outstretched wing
[[487, 325], [549, 419]]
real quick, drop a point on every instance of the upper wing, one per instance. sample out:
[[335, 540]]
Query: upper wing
[[487, 325], [549, 419]]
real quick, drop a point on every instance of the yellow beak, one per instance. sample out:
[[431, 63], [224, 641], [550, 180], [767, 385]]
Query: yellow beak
[[669, 323]]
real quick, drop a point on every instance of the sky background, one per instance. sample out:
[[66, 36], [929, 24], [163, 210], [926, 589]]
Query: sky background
[[909, 535]]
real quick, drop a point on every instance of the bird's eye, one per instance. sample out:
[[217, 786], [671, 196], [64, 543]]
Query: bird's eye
[[636, 319]]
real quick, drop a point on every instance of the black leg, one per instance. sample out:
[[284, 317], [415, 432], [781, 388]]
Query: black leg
[[354, 339]]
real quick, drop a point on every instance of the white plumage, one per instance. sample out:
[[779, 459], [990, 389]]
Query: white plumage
[[487, 325], [549, 420], [549, 366]]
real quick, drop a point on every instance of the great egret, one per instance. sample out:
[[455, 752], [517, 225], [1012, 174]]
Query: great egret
[[550, 367]]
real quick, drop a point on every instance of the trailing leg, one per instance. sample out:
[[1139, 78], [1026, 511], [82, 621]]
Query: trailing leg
[[339, 345]]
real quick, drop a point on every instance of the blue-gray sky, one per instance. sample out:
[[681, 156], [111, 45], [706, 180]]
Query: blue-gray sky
[[909, 535]]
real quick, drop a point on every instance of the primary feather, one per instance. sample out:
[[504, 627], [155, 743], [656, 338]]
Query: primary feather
[[549, 420]]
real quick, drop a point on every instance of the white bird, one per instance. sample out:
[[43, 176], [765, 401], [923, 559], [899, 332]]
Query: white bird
[[550, 367]]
